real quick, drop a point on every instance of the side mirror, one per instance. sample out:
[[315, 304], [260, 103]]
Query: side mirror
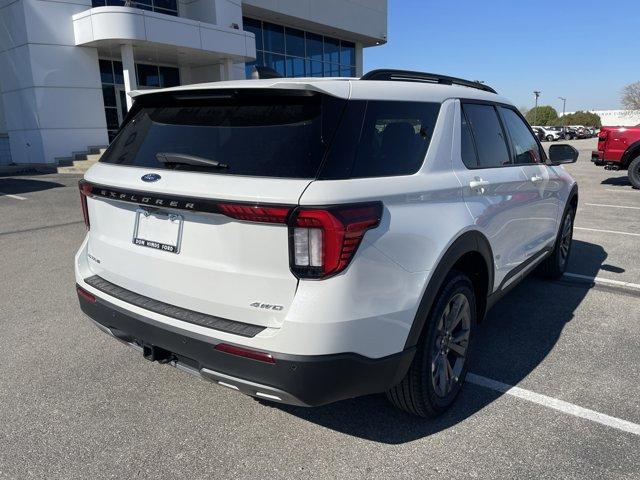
[[562, 153]]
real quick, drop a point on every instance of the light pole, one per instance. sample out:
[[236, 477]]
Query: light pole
[[564, 103], [535, 115]]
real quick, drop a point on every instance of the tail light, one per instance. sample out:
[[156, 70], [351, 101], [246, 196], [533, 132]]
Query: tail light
[[602, 136], [322, 242], [85, 191], [251, 213]]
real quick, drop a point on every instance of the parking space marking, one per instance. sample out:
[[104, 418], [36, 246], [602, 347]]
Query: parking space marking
[[604, 281], [611, 206], [554, 403], [619, 191], [607, 231], [17, 197]]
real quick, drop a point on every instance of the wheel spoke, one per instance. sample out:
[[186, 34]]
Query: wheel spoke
[[458, 349], [443, 379]]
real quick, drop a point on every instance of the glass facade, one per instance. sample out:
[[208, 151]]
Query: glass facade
[[170, 7], [296, 53], [113, 92]]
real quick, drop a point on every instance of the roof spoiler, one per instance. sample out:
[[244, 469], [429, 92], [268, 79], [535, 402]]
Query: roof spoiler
[[410, 76]]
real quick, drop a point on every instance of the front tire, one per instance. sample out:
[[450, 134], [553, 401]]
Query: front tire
[[549, 138], [555, 264], [634, 173], [439, 367]]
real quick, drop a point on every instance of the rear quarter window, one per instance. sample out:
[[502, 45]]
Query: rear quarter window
[[381, 139]]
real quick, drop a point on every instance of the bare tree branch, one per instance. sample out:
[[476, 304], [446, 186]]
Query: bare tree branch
[[631, 96]]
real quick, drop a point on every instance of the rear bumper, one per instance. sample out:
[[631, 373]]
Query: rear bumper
[[597, 157], [293, 379]]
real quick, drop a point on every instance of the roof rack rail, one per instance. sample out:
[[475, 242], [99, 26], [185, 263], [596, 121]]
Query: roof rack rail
[[409, 76]]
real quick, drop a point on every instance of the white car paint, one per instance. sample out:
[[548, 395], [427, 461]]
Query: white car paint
[[368, 309]]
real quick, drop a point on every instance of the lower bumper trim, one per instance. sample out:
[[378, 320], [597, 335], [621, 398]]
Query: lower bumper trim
[[304, 380]]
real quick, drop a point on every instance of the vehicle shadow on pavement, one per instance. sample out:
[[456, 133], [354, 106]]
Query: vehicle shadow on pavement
[[517, 335], [16, 186], [617, 181]]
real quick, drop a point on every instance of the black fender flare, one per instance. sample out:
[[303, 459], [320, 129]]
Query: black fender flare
[[469, 242], [630, 154]]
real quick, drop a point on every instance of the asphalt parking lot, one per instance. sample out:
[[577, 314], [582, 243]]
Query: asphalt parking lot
[[76, 404]]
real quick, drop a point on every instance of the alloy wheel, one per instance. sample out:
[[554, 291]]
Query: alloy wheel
[[565, 240], [451, 344]]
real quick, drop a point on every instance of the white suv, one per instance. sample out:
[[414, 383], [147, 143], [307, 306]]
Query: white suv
[[310, 240]]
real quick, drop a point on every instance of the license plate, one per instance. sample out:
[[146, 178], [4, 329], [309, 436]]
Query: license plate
[[159, 230]]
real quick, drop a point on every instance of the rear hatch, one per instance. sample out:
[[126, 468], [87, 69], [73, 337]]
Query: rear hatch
[[187, 205]]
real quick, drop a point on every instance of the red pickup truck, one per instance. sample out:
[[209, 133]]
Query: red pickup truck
[[619, 149]]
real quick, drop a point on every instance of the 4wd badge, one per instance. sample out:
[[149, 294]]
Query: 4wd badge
[[266, 306]]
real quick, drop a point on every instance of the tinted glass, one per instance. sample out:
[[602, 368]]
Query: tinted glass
[[314, 69], [394, 138], [331, 50], [169, 77], [467, 148], [118, 76], [255, 27], [295, 42], [109, 95], [277, 62], [106, 74], [348, 53], [262, 134], [526, 149], [314, 46], [148, 75], [488, 134], [295, 67], [273, 37]]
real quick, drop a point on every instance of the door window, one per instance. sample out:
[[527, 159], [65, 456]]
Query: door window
[[488, 134], [526, 148]]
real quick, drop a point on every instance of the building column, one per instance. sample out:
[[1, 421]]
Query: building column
[[359, 60], [227, 69], [129, 72]]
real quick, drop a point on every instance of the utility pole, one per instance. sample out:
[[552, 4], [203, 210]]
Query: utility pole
[[535, 115]]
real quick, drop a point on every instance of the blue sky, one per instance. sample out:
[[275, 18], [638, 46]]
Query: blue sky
[[584, 50]]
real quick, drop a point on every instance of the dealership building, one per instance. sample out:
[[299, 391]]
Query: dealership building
[[66, 66]]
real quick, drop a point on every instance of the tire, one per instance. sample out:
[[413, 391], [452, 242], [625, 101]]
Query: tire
[[549, 138], [634, 172], [423, 391], [555, 264], [567, 136]]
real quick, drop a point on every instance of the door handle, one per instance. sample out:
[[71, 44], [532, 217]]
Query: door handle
[[536, 179], [478, 185]]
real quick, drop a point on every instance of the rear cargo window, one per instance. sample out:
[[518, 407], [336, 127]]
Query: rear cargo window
[[284, 134], [380, 139]]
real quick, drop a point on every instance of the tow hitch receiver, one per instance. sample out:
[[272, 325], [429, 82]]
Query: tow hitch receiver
[[153, 353]]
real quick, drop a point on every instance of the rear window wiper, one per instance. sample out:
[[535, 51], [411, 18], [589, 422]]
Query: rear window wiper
[[186, 159]]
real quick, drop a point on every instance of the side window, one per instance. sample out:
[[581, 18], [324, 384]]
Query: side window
[[526, 148], [488, 134], [468, 149], [395, 138]]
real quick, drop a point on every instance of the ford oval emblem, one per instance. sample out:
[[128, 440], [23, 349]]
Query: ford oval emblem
[[150, 177]]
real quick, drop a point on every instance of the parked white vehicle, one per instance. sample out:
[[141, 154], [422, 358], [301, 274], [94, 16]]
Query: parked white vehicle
[[551, 134], [309, 240]]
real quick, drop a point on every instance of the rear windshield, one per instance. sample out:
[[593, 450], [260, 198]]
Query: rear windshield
[[249, 133], [287, 134]]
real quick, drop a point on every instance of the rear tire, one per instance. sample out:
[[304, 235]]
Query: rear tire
[[549, 138], [439, 367], [555, 264], [634, 173]]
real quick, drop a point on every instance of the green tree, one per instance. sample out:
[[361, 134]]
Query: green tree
[[542, 115], [588, 119]]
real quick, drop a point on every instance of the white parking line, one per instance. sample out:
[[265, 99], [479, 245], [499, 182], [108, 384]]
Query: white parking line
[[17, 197], [608, 231], [620, 191], [555, 404], [611, 206], [604, 281]]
